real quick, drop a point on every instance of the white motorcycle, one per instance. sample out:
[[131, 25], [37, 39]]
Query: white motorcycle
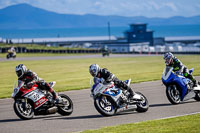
[[109, 100]]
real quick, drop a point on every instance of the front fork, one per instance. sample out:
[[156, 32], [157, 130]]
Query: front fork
[[24, 103]]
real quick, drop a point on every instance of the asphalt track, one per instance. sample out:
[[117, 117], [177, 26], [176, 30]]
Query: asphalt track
[[86, 117]]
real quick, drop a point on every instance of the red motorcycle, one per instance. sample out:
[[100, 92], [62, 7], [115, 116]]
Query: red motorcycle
[[34, 101]]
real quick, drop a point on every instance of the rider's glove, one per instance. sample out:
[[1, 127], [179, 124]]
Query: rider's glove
[[29, 85], [177, 73]]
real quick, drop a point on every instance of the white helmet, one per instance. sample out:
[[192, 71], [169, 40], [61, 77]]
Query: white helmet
[[20, 70], [94, 69]]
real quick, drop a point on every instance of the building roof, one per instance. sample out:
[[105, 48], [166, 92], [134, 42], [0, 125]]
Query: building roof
[[138, 24], [182, 38]]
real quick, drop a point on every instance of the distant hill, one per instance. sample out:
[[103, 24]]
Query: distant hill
[[24, 16]]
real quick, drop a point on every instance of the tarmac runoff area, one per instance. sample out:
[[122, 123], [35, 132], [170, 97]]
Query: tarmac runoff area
[[86, 117]]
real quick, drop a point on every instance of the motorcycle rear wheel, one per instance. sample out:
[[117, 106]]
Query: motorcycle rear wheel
[[105, 106], [197, 96], [67, 109], [26, 114], [7, 56], [142, 106]]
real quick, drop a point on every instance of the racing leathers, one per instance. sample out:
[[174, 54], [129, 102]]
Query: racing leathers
[[12, 51], [178, 67], [30, 78], [108, 77]]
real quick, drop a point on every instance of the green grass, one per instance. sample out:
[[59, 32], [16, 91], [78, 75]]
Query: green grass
[[184, 124], [38, 46], [72, 74], [3, 55]]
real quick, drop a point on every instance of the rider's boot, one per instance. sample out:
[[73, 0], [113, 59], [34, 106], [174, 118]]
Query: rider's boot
[[195, 84], [193, 80], [132, 95], [58, 100]]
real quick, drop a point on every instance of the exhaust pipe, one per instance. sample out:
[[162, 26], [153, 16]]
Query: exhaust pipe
[[52, 110]]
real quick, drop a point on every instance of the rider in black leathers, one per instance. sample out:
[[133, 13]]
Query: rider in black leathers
[[171, 60], [30, 78], [97, 72]]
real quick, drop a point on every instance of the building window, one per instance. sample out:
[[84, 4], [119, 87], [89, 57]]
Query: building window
[[114, 50], [140, 31]]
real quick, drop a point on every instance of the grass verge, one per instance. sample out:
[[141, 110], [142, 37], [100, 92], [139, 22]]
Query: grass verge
[[183, 124], [3, 55], [39, 46], [73, 74]]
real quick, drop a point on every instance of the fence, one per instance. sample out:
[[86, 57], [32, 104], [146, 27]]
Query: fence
[[25, 50]]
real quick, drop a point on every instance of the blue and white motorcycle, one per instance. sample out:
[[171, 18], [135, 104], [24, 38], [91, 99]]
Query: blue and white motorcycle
[[179, 88], [109, 100]]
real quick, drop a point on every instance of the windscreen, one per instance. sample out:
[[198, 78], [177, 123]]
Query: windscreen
[[166, 73], [20, 83]]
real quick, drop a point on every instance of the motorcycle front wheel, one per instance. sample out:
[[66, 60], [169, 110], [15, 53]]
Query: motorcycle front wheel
[[22, 110], [173, 94], [67, 107], [105, 106]]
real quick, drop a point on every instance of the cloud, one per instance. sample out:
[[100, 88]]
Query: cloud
[[153, 5], [172, 6]]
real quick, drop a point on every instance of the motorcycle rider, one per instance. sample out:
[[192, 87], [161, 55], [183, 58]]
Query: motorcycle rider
[[12, 51], [97, 72], [178, 67], [30, 78]]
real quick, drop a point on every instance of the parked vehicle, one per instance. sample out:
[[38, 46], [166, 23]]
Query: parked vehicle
[[109, 100], [179, 88], [34, 101]]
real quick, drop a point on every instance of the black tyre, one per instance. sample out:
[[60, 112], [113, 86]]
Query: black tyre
[[67, 107], [105, 106], [24, 113], [197, 96], [142, 106], [8, 56], [173, 94]]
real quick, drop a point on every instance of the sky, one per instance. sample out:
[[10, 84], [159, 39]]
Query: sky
[[147, 8]]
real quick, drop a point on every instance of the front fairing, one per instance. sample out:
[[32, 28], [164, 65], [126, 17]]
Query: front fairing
[[17, 88], [105, 89], [169, 78], [182, 83]]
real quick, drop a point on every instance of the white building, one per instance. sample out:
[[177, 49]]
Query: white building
[[128, 47], [63, 39]]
